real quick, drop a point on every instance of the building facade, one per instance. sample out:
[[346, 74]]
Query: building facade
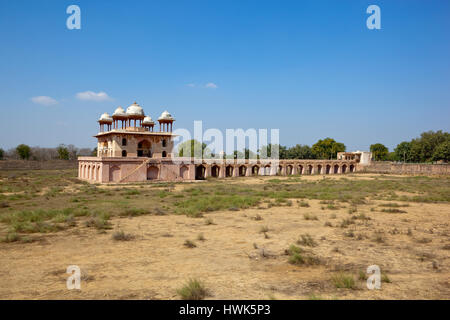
[[131, 149]]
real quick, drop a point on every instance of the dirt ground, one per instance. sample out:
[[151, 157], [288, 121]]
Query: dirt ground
[[236, 260]]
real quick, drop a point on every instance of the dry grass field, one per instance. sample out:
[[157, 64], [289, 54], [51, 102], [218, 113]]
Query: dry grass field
[[298, 237]]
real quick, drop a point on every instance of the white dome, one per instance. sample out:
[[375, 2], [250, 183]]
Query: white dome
[[166, 116], [148, 120], [105, 117], [135, 110], [119, 112]]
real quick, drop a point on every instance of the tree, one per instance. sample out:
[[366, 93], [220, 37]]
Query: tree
[[379, 152], [2, 152], [300, 152], [193, 148], [63, 152], [23, 151], [442, 152], [403, 151], [327, 148], [94, 152]]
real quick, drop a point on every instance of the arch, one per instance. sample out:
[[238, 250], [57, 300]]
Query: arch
[[344, 168], [300, 169], [215, 171], [114, 174], [242, 171], [124, 141], [152, 173], [352, 168], [164, 154], [164, 143], [229, 171], [184, 172], [98, 174], [336, 168], [144, 149], [200, 171], [255, 170], [309, 169], [289, 170], [267, 170], [124, 153], [319, 169], [327, 169]]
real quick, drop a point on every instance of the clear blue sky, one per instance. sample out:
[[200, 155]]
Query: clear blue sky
[[310, 68]]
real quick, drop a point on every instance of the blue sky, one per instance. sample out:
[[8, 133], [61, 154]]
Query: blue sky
[[310, 68]]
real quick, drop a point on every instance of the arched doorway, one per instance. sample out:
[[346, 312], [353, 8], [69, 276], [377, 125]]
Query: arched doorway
[[344, 168], [319, 169], [255, 170], [229, 171], [98, 174], [200, 172], [289, 169], [280, 170], [152, 173], [144, 149], [336, 168], [267, 170], [352, 168], [300, 170], [215, 171], [114, 174], [242, 171], [184, 172], [310, 169], [327, 169]]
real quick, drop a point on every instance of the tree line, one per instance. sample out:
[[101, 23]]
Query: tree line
[[323, 149], [62, 152], [429, 147]]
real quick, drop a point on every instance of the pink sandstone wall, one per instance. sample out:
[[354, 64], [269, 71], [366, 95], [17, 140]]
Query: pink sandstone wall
[[405, 168]]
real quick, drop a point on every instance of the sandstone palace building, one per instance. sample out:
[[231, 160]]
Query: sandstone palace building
[[131, 147]]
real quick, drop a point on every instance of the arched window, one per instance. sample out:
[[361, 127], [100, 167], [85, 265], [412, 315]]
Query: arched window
[[124, 153], [164, 143], [124, 142], [164, 154]]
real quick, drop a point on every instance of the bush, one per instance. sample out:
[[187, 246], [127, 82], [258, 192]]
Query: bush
[[193, 290], [122, 236], [342, 280], [306, 240], [189, 244]]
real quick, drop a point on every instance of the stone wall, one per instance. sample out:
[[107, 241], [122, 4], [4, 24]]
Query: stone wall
[[37, 165], [405, 168]]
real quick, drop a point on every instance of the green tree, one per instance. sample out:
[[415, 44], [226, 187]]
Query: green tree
[[300, 152], [63, 152], [327, 148], [94, 152], [2, 153], [403, 151], [442, 152], [23, 151], [379, 151], [193, 148]]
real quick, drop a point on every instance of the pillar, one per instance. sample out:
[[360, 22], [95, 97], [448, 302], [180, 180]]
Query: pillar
[[236, 171]]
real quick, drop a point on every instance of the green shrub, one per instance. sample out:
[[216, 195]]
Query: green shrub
[[193, 290]]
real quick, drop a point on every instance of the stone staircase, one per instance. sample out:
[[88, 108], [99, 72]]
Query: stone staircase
[[145, 162]]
